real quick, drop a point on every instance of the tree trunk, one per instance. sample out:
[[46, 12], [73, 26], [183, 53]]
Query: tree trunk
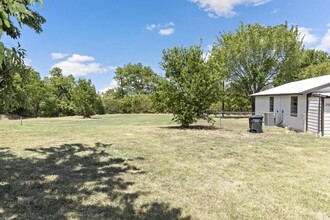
[[86, 115]]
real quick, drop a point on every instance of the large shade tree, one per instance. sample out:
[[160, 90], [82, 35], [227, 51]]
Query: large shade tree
[[58, 96], [257, 57], [189, 87], [30, 92], [135, 79], [135, 84], [85, 98]]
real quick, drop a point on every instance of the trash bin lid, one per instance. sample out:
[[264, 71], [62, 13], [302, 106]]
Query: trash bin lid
[[256, 116]]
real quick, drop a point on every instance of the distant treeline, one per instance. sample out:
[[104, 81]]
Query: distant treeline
[[250, 60]]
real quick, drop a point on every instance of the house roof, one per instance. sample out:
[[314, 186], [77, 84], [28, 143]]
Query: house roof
[[298, 87], [321, 94]]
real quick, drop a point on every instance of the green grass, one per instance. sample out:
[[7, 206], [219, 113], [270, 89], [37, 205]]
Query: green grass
[[140, 167]]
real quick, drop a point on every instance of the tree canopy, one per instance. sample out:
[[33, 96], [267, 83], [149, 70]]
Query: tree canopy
[[314, 57], [58, 98], [257, 57], [315, 70], [85, 98], [135, 79], [13, 15], [135, 84], [190, 86], [19, 12]]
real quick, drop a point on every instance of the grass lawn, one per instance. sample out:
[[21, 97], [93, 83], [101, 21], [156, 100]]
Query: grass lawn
[[140, 167]]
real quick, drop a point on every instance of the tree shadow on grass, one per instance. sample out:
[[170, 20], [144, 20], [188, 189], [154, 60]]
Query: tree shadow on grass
[[73, 181], [193, 127]]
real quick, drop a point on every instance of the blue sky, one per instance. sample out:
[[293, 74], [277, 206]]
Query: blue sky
[[90, 38]]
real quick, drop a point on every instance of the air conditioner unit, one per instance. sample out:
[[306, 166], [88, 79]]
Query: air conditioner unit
[[270, 118]]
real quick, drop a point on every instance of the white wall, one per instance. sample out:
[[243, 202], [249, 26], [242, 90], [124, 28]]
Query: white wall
[[282, 108], [261, 105], [327, 117]]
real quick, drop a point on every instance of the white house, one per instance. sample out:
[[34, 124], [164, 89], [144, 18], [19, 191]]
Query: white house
[[302, 105]]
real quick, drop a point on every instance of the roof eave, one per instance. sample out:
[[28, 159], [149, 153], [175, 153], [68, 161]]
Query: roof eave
[[277, 94], [299, 93], [316, 88]]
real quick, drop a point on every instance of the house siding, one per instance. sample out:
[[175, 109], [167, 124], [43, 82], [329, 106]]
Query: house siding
[[313, 115], [282, 104], [327, 117]]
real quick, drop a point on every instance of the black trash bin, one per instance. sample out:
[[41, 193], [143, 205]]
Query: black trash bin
[[255, 123]]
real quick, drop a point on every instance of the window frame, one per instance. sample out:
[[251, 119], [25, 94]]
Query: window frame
[[294, 106], [271, 104]]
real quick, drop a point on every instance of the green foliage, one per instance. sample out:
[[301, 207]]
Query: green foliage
[[135, 79], [22, 13], [11, 71], [258, 57], [85, 98], [13, 13], [233, 102], [30, 91], [58, 98], [314, 57], [125, 105], [111, 105], [142, 104], [314, 63], [190, 86], [135, 85], [99, 108], [54, 96], [135, 104], [315, 70], [35, 90]]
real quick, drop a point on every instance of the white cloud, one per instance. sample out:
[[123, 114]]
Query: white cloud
[[166, 32], [325, 41], [225, 8], [76, 58], [58, 56], [307, 36], [163, 29], [112, 85], [152, 27], [79, 65], [170, 24]]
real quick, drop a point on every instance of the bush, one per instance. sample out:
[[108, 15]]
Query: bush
[[142, 104]]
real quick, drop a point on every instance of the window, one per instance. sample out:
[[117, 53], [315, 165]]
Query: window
[[294, 106], [271, 104]]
